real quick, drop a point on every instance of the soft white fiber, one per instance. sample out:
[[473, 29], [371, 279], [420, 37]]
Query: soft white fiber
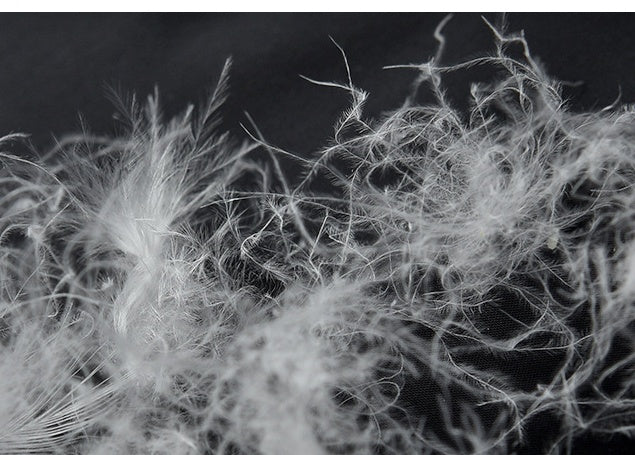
[[457, 277]]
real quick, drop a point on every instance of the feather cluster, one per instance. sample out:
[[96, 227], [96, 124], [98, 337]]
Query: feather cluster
[[437, 282]]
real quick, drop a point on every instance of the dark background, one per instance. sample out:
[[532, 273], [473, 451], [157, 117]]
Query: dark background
[[53, 67]]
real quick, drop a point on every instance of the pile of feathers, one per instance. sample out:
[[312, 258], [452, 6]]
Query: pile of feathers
[[437, 281]]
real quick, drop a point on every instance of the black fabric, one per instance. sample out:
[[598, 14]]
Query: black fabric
[[54, 66]]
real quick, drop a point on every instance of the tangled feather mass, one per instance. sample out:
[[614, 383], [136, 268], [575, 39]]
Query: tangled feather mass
[[170, 291]]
